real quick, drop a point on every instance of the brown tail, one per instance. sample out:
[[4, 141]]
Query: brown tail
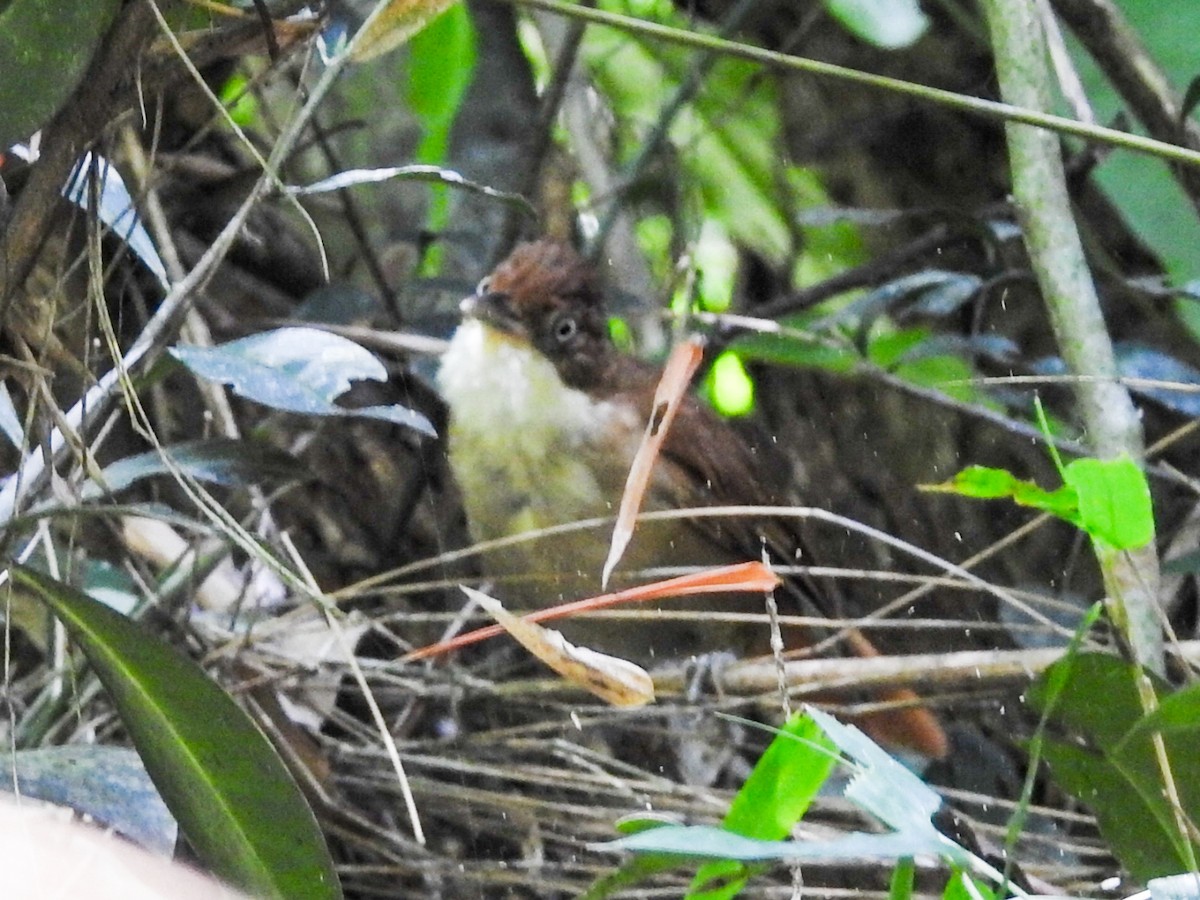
[[911, 726]]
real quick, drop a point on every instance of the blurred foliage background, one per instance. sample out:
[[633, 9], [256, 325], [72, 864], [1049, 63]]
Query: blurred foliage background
[[850, 250]]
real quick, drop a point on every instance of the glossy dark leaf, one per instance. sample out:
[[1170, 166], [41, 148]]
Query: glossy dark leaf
[[227, 787], [1106, 759], [44, 50]]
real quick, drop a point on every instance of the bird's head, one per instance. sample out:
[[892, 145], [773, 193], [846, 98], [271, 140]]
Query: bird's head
[[545, 296]]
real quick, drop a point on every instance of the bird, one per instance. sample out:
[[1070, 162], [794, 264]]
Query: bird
[[546, 415]]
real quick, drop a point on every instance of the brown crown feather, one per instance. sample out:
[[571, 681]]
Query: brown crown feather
[[535, 272]]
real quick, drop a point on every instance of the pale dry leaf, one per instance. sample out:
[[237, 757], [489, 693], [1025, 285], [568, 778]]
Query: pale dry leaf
[[672, 387], [612, 679], [393, 25]]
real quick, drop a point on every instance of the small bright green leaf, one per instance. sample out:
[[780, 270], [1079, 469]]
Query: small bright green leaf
[[957, 887], [394, 24], [730, 386], [241, 103], [903, 877], [1114, 501], [230, 792], [987, 483], [890, 24], [300, 370], [215, 461], [779, 790], [44, 50]]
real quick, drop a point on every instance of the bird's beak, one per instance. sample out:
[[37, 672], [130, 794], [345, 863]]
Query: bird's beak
[[495, 310]]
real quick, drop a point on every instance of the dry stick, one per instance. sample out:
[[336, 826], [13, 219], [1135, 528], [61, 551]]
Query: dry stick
[[1056, 253], [1052, 238], [992, 109]]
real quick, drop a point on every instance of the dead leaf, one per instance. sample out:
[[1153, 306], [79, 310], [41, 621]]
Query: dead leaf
[[672, 388], [393, 25], [612, 679], [748, 578]]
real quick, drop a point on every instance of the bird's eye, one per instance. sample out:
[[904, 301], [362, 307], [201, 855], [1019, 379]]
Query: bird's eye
[[565, 329], [482, 287]]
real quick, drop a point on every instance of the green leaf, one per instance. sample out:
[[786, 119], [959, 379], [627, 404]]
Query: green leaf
[[1178, 712], [775, 796], [890, 24], [215, 461], [726, 137], [441, 65], [44, 50], [230, 792], [987, 483], [903, 877], [1148, 196], [957, 888], [1107, 760], [1114, 501], [730, 386], [299, 370]]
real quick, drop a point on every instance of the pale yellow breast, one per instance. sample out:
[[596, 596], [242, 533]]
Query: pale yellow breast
[[527, 451]]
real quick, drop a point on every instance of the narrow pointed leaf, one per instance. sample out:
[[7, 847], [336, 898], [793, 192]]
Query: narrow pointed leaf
[[230, 792]]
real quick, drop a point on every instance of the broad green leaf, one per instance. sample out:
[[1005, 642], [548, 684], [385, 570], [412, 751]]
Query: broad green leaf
[[1143, 187], [890, 24], [299, 370], [1177, 712], [1126, 821], [1114, 501], [441, 65], [44, 50], [226, 786], [775, 796], [216, 461], [1107, 760]]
